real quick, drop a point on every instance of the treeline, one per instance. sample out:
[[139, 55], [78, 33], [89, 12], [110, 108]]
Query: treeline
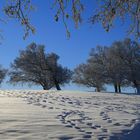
[[117, 65]]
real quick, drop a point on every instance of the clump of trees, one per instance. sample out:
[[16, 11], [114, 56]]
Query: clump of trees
[[118, 65], [34, 66]]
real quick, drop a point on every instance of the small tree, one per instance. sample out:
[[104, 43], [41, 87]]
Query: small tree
[[35, 66]]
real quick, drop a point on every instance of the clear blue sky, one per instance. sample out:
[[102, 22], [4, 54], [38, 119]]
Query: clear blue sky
[[72, 51]]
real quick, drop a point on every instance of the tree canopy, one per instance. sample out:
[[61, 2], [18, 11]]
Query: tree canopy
[[106, 13], [36, 67], [118, 65], [89, 76]]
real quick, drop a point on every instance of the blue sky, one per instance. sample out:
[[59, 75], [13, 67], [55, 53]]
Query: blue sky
[[72, 51]]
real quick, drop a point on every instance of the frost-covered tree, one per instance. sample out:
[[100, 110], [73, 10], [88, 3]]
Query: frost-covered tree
[[105, 12], [118, 65], [103, 67], [57, 74], [108, 11], [114, 67], [36, 67], [130, 56], [89, 75]]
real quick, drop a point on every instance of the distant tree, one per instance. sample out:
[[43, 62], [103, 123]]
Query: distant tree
[[120, 62], [130, 56], [103, 67], [114, 66], [2, 74], [103, 58], [106, 13], [35, 66], [89, 75]]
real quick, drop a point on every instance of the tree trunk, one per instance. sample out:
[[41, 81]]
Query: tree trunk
[[57, 86], [45, 88], [119, 87], [137, 86], [116, 88], [98, 89], [138, 89]]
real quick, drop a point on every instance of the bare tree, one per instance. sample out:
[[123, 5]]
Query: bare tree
[[106, 13], [125, 10], [20, 9], [58, 75], [89, 75], [110, 66], [35, 66], [130, 55], [121, 63], [118, 64], [115, 67]]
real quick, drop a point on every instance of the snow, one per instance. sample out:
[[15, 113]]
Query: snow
[[64, 115]]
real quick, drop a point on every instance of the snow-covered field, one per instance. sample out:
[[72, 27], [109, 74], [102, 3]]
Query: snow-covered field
[[66, 115]]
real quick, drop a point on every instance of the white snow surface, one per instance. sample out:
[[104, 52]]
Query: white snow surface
[[66, 115]]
